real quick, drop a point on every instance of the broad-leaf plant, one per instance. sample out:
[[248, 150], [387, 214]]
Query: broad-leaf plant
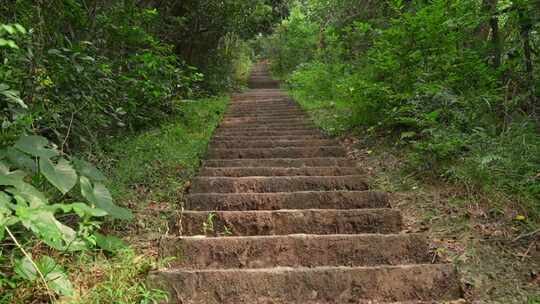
[[55, 198]]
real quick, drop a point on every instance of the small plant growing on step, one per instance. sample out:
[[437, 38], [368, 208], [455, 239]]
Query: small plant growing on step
[[227, 231], [208, 225]]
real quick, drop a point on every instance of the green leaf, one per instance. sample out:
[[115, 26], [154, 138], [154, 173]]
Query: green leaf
[[99, 196], [54, 274], [406, 135], [13, 97], [8, 42], [20, 159], [55, 234], [10, 178], [20, 28], [29, 193], [433, 116], [6, 206], [61, 175], [25, 269], [2, 226], [8, 28], [109, 243], [82, 210], [35, 146], [87, 169], [6, 220]]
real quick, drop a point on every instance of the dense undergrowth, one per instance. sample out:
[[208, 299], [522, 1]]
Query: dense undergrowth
[[454, 83], [105, 101]]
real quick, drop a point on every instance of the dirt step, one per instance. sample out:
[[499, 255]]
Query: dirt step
[[250, 122], [263, 83], [280, 222], [261, 98], [266, 112], [263, 109], [259, 121], [265, 131], [266, 117], [296, 251], [268, 124], [291, 152], [320, 285], [269, 171], [280, 114], [258, 133], [298, 114], [278, 125], [277, 184], [276, 112], [287, 200], [268, 128], [280, 137], [282, 162], [272, 143], [258, 101], [278, 108]]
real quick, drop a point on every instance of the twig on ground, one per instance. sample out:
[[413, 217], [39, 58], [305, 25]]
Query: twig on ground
[[526, 235]]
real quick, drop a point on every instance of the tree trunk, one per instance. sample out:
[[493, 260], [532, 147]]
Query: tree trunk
[[490, 6], [527, 52]]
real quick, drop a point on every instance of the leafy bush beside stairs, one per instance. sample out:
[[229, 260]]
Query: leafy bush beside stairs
[[433, 78], [38, 203]]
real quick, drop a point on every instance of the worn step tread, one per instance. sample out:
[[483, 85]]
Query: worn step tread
[[275, 128], [269, 171], [278, 124], [265, 110], [267, 133], [300, 250], [310, 285], [218, 138], [261, 184], [244, 109], [287, 200], [276, 152], [272, 143], [268, 115], [290, 221], [281, 162], [263, 122]]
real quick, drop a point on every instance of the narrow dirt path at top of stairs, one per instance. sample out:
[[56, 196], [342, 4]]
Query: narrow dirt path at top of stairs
[[279, 214]]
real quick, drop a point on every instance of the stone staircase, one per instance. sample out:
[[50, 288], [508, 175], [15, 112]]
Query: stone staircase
[[278, 214]]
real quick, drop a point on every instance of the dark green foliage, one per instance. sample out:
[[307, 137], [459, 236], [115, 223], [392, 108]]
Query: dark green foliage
[[93, 68], [453, 81]]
